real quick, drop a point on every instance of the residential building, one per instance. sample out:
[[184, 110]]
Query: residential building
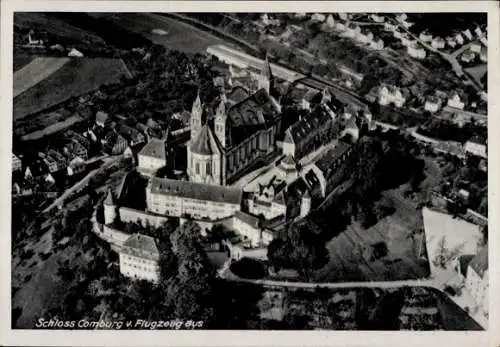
[[75, 149], [456, 102], [102, 119], [318, 127], [139, 258], [249, 227], [475, 47], [330, 22], [416, 51], [389, 26], [352, 30], [432, 104], [377, 44], [484, 56], [425, 36], [344, 16], [16, 163], [477, 147], [478, 31], [391, 95], [115, 143], [76, 166], [341, 25], [451, 42], [438, 43], [377, 18], [133, 136], [152, 157], [269, 200], [75, 53], [318, 17], [201, 201], [467, 34], [484, 40], [459, 39], [225, 141]]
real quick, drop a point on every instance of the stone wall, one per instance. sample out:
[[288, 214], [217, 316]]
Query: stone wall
[[131, 215]]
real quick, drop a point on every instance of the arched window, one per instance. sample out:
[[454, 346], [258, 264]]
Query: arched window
[[197, 168], [209, 168]]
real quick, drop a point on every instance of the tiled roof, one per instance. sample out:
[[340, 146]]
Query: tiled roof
[[247, 111], [198, 191], [154, 148], [205, 142], [480, 262], [141, 246], [325, 162], [306, 126], [248, 219], [238, 94]]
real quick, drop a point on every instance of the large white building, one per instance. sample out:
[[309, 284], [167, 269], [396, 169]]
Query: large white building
[[152, 157], [201, 201], [391, 95], [268, 200], [139, 258]]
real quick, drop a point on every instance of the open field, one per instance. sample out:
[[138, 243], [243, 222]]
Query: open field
[[53, 128], [21, 59], [349, 252], [477, 72], [53, 25], [36, 71], [76, 77], [180, 36]]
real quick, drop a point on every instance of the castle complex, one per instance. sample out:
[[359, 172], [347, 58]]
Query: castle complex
[[227, 139]]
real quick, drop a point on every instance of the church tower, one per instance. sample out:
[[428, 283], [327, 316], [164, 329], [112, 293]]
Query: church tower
[[265, 79], [220, 123], [109, 208], [195, 120]]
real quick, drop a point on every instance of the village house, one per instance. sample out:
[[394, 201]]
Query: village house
[[330, 22], [475, 47], [425, 36], [175, 198], [341, 25], [432, 104], [318, 17], [102, 119], [455, 101], [450, 41], [152, 157], [467, 34], [54, 160], [133, 136], [75, 149], [484, 40], [345, 16], [459, 39], [391, 95], [468, 57], [16, 163], [398, 34], [478, 31], [353, 30], [389, 26], [76, 166], [139, 257], [377, 18], [365, 36], [438, 43], [484, 56], [75, 53], [476, 146], [377, 44], [115, 143]]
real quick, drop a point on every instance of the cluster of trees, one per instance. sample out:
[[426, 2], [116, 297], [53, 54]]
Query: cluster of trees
[[372, 171], [299, 248], [449, 131]]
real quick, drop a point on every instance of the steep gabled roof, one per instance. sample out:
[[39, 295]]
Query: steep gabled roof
[[205, 143], [141, 246], [155, 148], [110, 200]]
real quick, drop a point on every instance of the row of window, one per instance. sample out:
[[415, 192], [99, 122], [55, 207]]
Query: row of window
[[142, 268], [139, 260]]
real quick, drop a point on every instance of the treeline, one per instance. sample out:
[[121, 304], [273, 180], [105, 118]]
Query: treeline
[[105, 28]]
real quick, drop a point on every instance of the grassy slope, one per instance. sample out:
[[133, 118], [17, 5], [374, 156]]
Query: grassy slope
[[76, 77]]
